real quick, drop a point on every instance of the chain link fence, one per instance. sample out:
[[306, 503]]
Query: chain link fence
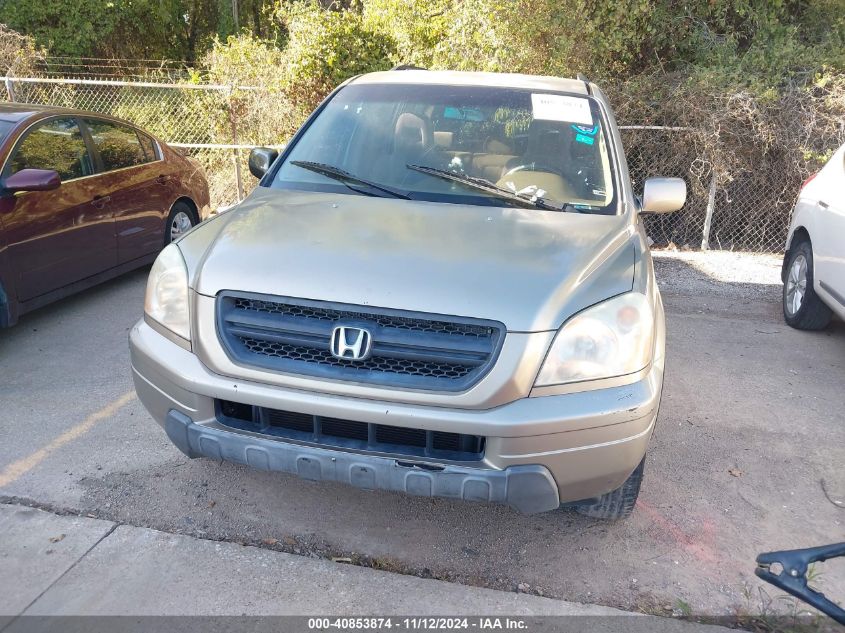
[[198, 120], [226, 169], [671, 152], [753, 212], [217, 125]]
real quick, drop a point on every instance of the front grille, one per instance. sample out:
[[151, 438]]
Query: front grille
[[325, 313], [374, 363], [338, 433], [416, 351]]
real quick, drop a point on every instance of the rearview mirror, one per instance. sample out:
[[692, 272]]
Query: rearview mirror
[[33, 180], [663, 195], [260, 159]]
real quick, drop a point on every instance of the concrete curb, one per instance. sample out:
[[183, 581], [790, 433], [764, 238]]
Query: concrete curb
[[63, 566]]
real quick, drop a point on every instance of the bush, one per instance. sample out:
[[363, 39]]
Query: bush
[[325, 48], [258, 104], [19, 54], [123, 29], [496, 36], [416, 27]]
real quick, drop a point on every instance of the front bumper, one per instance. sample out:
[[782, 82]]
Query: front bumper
[[540, 451], [528, 489]]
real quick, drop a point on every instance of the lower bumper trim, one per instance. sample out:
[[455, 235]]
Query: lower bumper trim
[[526, 488]]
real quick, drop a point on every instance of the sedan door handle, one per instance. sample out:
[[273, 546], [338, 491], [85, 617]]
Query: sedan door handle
[[823, 204], [101, 201]]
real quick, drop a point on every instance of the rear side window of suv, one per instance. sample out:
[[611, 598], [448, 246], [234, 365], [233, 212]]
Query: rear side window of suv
[[118, 146]]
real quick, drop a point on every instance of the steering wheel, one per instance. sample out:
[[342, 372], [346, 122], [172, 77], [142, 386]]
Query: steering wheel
[[434, 158], [535, 167]]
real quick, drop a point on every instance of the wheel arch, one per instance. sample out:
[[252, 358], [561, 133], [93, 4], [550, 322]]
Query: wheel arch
[[798, 236], [188, 201]]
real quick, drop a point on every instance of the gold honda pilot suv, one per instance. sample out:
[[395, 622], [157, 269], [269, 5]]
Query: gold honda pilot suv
[[441, 286]]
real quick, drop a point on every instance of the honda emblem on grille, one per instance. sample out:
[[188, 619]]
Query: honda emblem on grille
[[351, 343]]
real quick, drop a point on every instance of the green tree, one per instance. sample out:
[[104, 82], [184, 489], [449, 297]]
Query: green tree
[[171, 29], [325, 47], [416, 26], [18, 53], [66, 27]]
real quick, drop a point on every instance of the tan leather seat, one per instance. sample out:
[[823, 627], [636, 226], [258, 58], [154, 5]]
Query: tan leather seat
[[413, 139], [443, 139], [547, 146], [412, 135], [492, 162], [455, 158], [547, 149]]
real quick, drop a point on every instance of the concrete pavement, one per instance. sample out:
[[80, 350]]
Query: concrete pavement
[[55, 565]]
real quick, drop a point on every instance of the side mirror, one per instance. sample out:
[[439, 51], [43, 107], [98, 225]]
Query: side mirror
[[663, 195], [32, 180], [260, 159]]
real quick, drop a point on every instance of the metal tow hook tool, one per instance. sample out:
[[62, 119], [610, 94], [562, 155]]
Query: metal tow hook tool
[[793, 577]]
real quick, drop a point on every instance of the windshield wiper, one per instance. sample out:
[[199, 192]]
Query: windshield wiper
[[534, 202], [346, 178]]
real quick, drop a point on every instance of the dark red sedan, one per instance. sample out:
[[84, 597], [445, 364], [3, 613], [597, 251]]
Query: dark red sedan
[[83, 198]]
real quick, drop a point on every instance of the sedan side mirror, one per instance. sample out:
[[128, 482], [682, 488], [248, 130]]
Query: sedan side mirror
[[260, 159], [663, 195], [32, 180]]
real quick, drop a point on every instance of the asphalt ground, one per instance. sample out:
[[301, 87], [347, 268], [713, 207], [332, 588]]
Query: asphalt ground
[[747, 457]]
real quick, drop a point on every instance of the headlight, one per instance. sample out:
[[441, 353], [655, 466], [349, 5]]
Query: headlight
[[166, 301], [610, 339]]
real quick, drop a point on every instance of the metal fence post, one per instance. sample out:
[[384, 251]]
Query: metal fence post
[[235, 152], [708, 218], [10, 88]]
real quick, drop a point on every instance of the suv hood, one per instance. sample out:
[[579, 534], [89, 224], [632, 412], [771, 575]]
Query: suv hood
[[529, 269]]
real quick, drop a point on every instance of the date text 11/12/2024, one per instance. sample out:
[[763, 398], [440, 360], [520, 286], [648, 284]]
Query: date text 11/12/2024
[[416, 623]]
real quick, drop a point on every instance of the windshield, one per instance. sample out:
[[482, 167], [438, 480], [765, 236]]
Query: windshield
[[536, 144]]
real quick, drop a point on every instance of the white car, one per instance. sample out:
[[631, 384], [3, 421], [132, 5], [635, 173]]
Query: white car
[[814, 265]]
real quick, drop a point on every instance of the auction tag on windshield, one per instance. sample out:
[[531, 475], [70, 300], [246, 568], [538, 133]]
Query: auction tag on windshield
[[546, 107]]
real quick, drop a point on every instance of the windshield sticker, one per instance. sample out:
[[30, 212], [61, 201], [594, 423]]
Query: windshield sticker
[[546, 107], [583, 138], [463, 114], [586, 129]]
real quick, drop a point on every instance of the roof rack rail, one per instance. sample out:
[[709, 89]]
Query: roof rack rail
[[583, 77], [407, 67]]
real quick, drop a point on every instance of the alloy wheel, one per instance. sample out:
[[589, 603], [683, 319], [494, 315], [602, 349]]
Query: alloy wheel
[[796, 285], [179, 225]]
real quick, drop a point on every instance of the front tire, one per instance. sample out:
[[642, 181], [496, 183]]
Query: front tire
[[619, 503], [181, 219], [802, 308]]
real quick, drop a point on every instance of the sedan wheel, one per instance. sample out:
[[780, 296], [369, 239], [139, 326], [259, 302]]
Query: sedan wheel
[[180, 223], [796, 285]]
